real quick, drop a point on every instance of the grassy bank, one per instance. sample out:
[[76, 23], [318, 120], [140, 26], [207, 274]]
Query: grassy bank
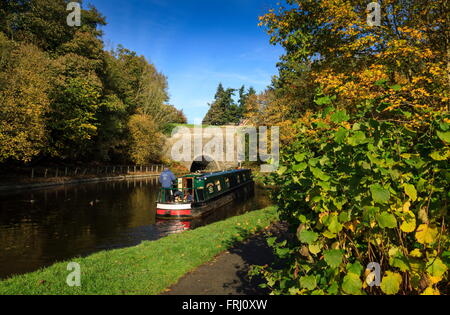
[[148, 268]]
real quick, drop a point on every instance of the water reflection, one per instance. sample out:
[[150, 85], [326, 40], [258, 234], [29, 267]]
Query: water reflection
[[38, 228]]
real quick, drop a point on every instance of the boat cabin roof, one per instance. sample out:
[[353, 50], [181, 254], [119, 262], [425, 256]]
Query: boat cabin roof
[[208, 175]]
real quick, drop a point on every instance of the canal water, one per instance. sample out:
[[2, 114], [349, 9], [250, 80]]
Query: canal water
[[41, 227]]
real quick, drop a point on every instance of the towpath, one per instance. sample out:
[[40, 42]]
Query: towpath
[[227, 274]]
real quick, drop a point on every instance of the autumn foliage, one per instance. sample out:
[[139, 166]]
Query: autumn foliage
[[365, 174], [63, 97]]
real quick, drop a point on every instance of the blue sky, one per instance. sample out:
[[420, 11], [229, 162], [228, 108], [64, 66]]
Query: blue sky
[[196, 44]]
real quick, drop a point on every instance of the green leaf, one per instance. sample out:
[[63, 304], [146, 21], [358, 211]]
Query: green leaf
[[352, 284], [391, 282], [396, 87], [308, 237], [333, 289], [300, 157], [344, 217], [355, 268], [400, 262], [444, 136], [271, 241], [411, 191], [358, 138], [387, 220], [314, 249], [308, 282], [329, 234], [380, 194], [333, 257], [380, 82], [300, 167], [340, 135], [339, 116], [437, 268], [334, 226], [281, 170], [318, 173], [323, 100]]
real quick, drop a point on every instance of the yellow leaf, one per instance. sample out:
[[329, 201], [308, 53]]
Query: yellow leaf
[[415, 253], [435, 280], [426, 234], [409, 222], [431, 291], [406, 206]]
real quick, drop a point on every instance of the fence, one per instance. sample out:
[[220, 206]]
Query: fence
[[41, 172]]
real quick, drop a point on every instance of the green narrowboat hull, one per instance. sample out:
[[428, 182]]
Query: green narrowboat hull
[[208, 191]]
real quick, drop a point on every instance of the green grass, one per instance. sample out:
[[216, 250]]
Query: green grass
[[148, 268]]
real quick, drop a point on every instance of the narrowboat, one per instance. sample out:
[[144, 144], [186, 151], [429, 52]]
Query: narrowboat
[[196, 195]]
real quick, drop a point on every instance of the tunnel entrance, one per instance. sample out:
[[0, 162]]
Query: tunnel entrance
[[204, 165]]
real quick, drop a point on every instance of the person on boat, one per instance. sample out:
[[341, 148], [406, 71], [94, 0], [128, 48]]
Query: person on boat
[[178, 196], [167, 179], [188, 197]]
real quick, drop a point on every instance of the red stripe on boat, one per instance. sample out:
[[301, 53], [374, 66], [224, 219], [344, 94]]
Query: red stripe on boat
[[174, 213], [180, 212]]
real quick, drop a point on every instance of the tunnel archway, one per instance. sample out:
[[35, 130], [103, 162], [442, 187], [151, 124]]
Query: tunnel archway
[[204, 164]]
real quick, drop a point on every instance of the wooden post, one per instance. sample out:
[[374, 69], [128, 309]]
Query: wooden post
[[45, 173], [65, 172], [32, 172], [135, 168], [76, 171], [56, 173]]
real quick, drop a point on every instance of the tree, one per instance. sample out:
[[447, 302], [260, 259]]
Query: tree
[[330, 47], [42, 22], [80, 99], [146, 140], [243, 101], [23, 100], [224, 110]]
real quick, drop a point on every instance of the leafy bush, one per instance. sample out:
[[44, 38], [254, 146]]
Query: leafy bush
[[357, 191]]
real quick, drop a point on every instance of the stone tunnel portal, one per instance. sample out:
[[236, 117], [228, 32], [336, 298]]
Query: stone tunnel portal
[[204, 164]]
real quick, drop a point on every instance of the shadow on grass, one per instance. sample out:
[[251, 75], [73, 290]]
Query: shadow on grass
[[254, 251]]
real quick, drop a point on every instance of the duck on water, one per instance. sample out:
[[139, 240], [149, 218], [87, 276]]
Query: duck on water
[[195, 195]]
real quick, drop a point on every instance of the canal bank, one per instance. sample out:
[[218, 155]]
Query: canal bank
[[148, 268], [73, 182]]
